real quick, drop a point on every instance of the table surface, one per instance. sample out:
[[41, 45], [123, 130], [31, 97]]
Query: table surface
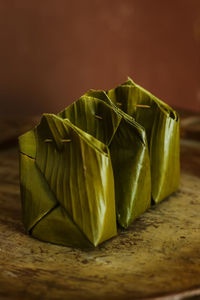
[[158, 257]]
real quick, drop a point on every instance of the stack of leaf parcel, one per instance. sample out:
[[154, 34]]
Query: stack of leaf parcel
[[101, 161]]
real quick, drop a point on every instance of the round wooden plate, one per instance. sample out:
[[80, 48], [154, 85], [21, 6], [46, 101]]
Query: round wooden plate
[[158, 257]]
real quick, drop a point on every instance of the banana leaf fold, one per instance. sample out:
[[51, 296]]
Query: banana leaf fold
[[67, 185], [128, 147], [161, 124], [97, 163]]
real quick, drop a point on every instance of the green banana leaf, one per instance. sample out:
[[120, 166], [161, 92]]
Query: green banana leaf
[[106, 149], [94, 113], [67, 185], [161, 124]]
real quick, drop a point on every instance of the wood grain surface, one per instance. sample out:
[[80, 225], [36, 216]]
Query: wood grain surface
[[158, 257]]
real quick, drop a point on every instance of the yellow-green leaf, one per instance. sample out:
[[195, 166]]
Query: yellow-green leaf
[[161, 124]]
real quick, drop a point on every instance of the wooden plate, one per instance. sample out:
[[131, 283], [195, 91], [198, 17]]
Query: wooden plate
[[157, 258]]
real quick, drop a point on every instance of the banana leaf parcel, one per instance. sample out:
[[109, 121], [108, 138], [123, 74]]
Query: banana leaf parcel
[[67, 185], [128, 149], [100, 159], [161, 124]]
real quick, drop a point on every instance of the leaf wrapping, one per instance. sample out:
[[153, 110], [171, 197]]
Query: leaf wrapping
[[128, 149], [75, 176], [96, 163], [161, 124]]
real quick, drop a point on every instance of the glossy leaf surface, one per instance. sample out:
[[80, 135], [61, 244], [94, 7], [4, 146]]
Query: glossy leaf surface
[[161, 124], [68, 184], [103, 156], [128, 148]]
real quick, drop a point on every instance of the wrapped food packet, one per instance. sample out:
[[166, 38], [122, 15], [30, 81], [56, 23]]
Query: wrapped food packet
[[103, 156], [161, 124], [128, 149], [67, 185]]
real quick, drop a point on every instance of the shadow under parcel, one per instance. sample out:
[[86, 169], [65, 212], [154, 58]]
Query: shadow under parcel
[[96, 163]]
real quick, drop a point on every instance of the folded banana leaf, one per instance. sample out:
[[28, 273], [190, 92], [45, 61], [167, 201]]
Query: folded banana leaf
[[67, 185], [94, 113], [106, 149], [161, 124]]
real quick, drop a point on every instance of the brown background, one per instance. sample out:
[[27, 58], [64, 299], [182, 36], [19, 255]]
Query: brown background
[[53, 51]]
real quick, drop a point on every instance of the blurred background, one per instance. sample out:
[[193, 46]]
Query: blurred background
[[53, 51]]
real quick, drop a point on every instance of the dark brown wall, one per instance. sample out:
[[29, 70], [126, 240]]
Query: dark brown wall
[[53, 51]]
